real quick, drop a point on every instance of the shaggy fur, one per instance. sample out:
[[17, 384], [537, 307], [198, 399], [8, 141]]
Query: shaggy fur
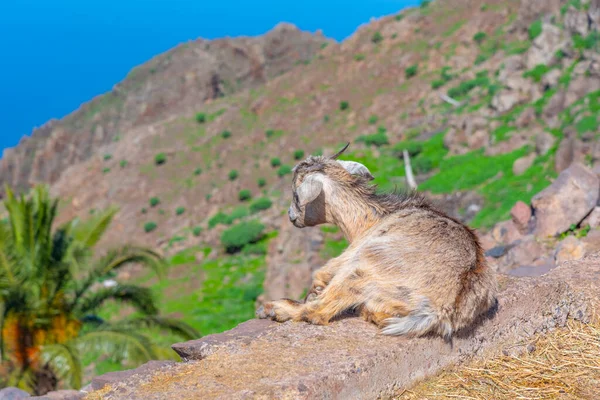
[[409, 268]]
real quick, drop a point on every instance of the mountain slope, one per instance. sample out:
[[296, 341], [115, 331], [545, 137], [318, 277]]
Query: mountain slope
[[188, 75]]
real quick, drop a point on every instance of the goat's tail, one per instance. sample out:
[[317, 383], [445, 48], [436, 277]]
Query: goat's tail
[[421, 321]]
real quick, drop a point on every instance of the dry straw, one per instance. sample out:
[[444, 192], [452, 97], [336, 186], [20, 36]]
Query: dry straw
[[563, 364]]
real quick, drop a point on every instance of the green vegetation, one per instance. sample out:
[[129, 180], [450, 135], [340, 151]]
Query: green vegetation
[[376, 139], [377, 37], [179, 210], [537, 72], [260, 204], [197, 231], [445, 77], [150, 226], [535, 29], [108, 157], [123, 163], [245, 195], [359, 57], [218, 218], [261, 182], [154, 201], [425, 3], [242, 234], [411, 71], [373, 119], [479, 37], [465, 87], [160, 158], [198, 171], [284, 170], [226, 134], [200, 118], [275, 162], [399, 17], [298, 154], [344, 105], [233, 174], [587, 124], [50, 304], [273, 133], [105, 170]]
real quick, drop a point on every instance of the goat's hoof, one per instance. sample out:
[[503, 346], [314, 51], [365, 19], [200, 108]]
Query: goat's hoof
[[265, 311]]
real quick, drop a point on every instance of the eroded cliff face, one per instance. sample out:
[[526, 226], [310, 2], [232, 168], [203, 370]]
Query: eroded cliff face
[[176, 82]]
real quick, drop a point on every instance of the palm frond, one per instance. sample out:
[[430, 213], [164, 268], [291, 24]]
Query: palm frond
[[139, 297], [116, 259], [120, 344], [64, 362], [90, 232], [171, 325]]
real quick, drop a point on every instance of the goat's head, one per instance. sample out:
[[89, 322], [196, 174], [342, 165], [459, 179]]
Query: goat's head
[[316, 182]]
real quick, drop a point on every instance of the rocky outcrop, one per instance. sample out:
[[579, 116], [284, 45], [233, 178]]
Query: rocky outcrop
[[181, 79], [293, 257], [349, 358], [566, 202]]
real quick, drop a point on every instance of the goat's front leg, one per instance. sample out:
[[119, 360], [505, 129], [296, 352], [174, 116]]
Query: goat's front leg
[[322, 277], [337, 297]]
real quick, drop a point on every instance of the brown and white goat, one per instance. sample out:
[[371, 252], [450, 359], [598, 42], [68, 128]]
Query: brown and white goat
[[409, 268]]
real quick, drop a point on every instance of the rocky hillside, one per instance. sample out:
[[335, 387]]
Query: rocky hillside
[[170, 84], [492, 100]]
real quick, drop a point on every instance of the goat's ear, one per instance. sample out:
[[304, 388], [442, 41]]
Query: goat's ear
[[356, 168], [310, 189]]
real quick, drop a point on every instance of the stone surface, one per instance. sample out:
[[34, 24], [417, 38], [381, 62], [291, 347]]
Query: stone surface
[[525, 251], [522, 164], [545, 46], [566, 202], [349, 359], [565, 154], [118, 376], [592, 219], [576, 22], [506, 232], [61, 395], [521, 215], [570, 248], [544, 142], [12, 393], [592, 242]]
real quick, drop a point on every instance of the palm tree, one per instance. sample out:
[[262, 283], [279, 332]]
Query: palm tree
[[50, 294]]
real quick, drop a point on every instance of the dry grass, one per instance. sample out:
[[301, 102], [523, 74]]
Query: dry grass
[[565, 364]]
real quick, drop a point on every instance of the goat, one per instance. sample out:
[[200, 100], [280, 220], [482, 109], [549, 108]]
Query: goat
[[409, 268]]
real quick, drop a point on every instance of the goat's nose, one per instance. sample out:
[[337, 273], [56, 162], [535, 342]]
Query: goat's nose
[[292, 215]]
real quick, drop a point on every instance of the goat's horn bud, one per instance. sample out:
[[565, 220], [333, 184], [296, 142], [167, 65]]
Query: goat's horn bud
[[339, 153]]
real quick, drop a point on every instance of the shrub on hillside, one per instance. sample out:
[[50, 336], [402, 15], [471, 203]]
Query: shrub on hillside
[[344, 105], [411, 71], [260, 204], [373, 119], [218, 218], [261, 182], [535, 29], [150, 226], [123, 163], [197, 171], [160, 158], [284, 170], [237, 213], [233, 174], [275, 162], [179, 210], [298, 154], [197, 231], [201, 118], [242, 234], [479, 37], [377, 37], [244, 194], [154, 201], [107, 157], [225, 134]]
